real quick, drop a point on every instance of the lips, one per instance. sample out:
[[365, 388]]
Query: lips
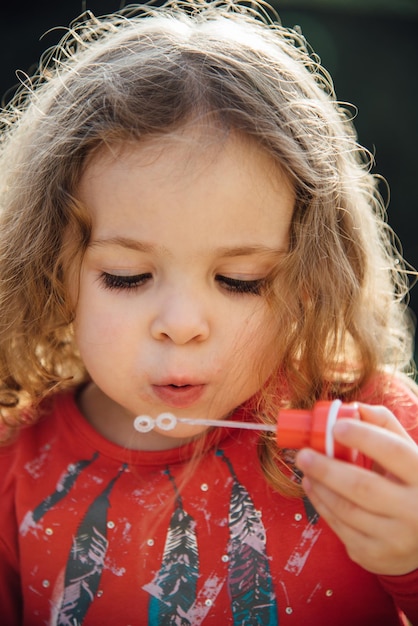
[[179, 396]]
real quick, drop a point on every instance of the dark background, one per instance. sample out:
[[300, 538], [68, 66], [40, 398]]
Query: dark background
[[370, 48]]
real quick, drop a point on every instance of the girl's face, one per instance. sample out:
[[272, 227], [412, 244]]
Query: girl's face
[[172, 313]]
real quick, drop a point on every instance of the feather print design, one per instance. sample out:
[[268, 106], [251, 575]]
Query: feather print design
[[311, 514], [249, 578], [86, 560], [173, 590], [310, 511], [63, 487]]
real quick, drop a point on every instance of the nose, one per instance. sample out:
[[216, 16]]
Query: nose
[[181, 318]]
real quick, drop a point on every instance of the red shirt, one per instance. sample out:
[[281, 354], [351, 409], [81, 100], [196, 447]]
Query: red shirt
[[90, 534]]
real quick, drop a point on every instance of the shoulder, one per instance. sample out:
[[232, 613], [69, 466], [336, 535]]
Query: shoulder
[[396, 392], [32, 439]]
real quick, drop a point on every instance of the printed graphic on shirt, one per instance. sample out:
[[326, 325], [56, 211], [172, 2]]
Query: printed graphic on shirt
[[308, 538], [86, 561], [64, 485], [249, 580], [173, 590], [174, 594]]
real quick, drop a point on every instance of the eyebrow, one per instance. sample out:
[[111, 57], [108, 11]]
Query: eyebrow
[[224, 251], [125, 242]]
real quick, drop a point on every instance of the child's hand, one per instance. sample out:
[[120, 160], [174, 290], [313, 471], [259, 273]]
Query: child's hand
[[375, 513]]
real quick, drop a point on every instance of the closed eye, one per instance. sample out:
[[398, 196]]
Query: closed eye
[[115, 281], [235, 285]]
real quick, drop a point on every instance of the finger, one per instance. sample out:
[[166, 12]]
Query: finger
[[384, 544], [377, 543], [382, 417], [364, 517], [368, 490], [344, 517], [395, 453], [338, 511]]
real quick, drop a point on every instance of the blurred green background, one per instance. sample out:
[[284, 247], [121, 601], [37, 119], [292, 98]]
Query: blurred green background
[[370, 47]]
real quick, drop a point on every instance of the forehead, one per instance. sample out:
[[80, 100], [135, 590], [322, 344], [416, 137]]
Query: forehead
[[187, 151], [220, 182]]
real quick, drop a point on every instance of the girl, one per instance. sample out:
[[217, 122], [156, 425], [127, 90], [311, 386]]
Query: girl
[[188, 226]]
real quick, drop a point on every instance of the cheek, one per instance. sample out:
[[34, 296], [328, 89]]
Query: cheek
[[95, 323], [256, 349]]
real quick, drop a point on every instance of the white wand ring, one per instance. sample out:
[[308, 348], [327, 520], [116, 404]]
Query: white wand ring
[[164, 421], [144, 423]]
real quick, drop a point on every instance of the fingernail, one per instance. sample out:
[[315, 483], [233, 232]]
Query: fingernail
[[304, 459]]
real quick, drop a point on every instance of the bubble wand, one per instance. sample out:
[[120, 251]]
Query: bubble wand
[[295, 428]]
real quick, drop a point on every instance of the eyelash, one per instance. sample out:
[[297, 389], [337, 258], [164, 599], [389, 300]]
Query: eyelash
[[114, 281], [233, 285]]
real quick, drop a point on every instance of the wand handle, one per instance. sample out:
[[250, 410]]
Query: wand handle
[[295, 428]]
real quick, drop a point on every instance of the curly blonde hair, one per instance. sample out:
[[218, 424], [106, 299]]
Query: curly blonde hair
[[145, 71]]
